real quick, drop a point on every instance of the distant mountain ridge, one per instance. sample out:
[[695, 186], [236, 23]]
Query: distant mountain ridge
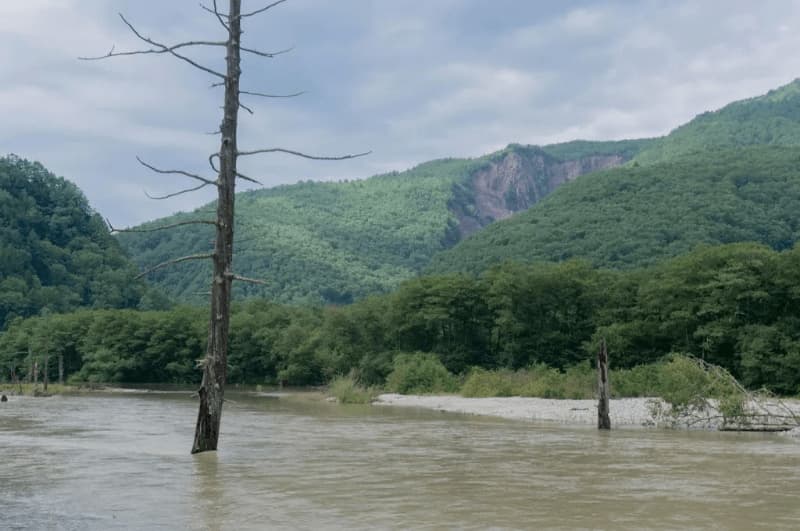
[[770, 119], [726, 176], [637, 216], [336, 242]]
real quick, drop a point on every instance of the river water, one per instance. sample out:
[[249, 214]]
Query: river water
[[121, 461]]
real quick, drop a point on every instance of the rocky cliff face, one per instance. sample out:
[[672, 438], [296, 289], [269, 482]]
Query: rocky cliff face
[[518, 179]]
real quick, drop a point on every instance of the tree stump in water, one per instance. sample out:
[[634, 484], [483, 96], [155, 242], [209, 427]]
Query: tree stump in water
[[604, 392]]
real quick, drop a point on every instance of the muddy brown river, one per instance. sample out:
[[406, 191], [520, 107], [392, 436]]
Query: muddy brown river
[[121, 461]]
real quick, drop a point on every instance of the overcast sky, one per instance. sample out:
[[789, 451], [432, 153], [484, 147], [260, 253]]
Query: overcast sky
[[411, 80]]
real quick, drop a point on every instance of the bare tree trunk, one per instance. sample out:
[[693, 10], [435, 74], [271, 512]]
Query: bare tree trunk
[[46, 371], [604, 391], [61, 369], [36, 372], [30, 367], [212, 389]]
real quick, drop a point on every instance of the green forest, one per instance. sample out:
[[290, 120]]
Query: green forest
[[318, 242], [56, 254], [737, 306], [640, 214], [686, 250], [773, 118]]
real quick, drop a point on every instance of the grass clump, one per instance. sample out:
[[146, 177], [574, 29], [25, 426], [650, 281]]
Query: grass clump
[[538, 381], [481, 383], [347, 390], [419, 373]]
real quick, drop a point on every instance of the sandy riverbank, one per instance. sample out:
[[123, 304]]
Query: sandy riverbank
[[625, 412]]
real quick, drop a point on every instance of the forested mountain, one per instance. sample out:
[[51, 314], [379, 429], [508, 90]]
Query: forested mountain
[[55, 253], [727, 176], [773, 118], [336, 242], [640, 215]]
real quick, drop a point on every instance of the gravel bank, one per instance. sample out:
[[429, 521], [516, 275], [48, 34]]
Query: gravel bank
[[624, 411]]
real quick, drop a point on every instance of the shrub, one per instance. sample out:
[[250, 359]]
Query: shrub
[[687, 382], [373, 369], [638, 381], [418, 372], [580, 381], [537, 381], [347, 390], [483, 383]]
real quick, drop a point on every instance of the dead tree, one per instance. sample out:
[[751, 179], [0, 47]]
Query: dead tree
[[224, 164], [603, 388]]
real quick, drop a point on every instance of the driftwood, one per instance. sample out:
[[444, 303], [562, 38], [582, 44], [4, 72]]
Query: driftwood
[[736, 409]]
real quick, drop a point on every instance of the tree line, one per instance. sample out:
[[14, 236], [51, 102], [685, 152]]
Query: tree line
[[737, 306]]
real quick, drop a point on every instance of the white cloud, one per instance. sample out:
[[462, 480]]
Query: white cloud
[[411, 80]]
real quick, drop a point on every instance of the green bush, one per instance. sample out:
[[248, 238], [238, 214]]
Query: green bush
[[639, 381], [683, 383], [374, 369], [419, 372], [347, 390], [537, 381], [483, 383], [686, 383]]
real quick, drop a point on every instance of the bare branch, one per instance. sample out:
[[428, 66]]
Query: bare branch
[[176, 172], [163, 48], [211, 160], [175, 261], [300, 154], [163, 227], [220, 16], [245, 107], [257, 11], [246, 279], [264, 95], [266, 54], [240, 175], [246, 178], [174, 194]]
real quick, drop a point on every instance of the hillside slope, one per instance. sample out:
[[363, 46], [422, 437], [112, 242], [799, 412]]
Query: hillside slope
[[56, 253], [336, 242], [638, 215], [773, 119]]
